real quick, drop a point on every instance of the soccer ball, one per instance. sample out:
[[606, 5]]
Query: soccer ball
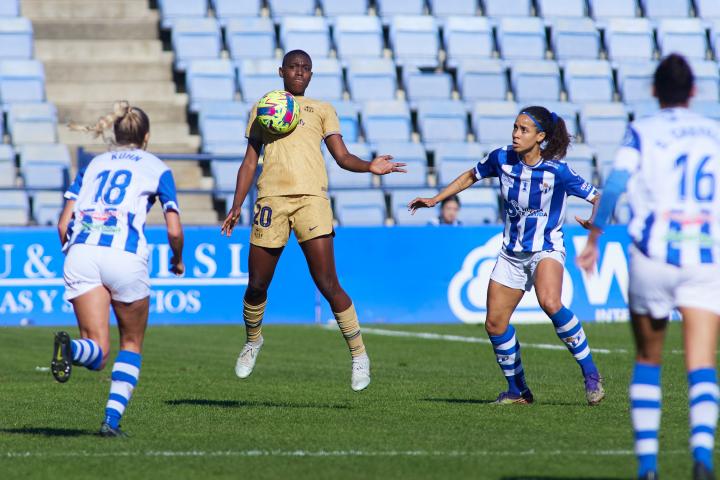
[[278, 112]]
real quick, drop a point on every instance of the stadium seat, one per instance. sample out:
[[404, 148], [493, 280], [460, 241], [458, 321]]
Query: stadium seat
[[372, 79], [228, 9], [413, 154], [171, 10], [707, 9], [589, 81], [535, 81], [715, 37], [605, 9], [46, 207], [415, 40], [447, 8], [635, 81], [569, 113], [14, 207], [706, 80], [21, 81], [45, 166], [424, 85], [224, 172], [493, 122], [503, 8], [305, 33], [467, 37], [521, 38], [386, 121], [682, 35], [250, 37], [334, 8], [390, 8], [195, 38], [16, 38], [644, 109], [603, 122], [32, 123], [339, 177], [442, 121], [575, 38], [9, 8], [482, 80], [399, 201], [245, 210], [257, 77], [549, 9], [327, 80], [281, 8], [479, 206], [347, 113], [665, 8], [8, 175], [358, 36], [577, 207], [580, 158], [629, 39], [452, 159], [223, 123], [710, 109], [209, 80], [360, 207]]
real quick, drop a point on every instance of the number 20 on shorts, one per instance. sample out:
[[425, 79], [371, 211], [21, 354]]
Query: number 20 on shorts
[[263, 216]]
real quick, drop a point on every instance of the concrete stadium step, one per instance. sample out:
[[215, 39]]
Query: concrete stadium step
[[128, 50], [160, 134], [78, 9], [187, 216], [159, 112], [106, 28], [159, 69], [101, 91]]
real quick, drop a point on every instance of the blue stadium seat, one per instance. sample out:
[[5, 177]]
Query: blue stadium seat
[[334, 8], [387, 120], [171, 10], [415, 40], [535, 81], [629, 39], [413, 154], [709, 109], [245, 209], [706, 80], [580, 158], [577, 207], [14, 207], [32, 123], [635, 81], [603, 123], [682, 35], [16, 38], [209, 80], [21, 81], [447, 8], [223, 124], [467, 37], [227, 9], [224, 172], [360, 207], [644, 109], [372, 79], [399, 201], [327, 80], [424, 85], [575, 38], [454, 158], [482, 80], [250, 37], [665, 8], [521, 38], [479, 206], [339, 177], [442, 121], [195, 39], [9, 8], [390, 8], [604, 9], [358, 36], [45, 166], [305, 33], [493, 122], [503, 8], [8, 175], [347, 113], [588, 81], [561, 8], [569, 113], [707, 9], [257, 77], [715, 37], [46, 207], [281, 8]]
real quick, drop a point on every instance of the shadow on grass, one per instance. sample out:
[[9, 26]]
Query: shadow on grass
[[481, 401], [48, 432], [251, 404]]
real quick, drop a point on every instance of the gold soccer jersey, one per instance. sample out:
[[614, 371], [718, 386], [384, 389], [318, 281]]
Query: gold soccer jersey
[[293, 163]]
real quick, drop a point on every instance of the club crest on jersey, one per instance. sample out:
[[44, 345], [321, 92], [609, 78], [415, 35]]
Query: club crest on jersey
[[545, 188]]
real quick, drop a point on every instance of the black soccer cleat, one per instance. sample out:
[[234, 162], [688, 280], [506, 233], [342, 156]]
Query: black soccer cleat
[[61, 363], [109, 432], [701, 472]]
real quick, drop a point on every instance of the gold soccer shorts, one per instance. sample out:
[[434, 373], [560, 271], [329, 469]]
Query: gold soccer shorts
[[308, 216]]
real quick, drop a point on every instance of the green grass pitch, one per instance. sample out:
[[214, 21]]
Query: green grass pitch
[[426, 414]]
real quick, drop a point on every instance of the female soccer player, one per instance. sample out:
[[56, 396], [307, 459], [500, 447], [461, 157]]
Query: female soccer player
[[292, 195], [101, 230], [535, 183], [670, 165]]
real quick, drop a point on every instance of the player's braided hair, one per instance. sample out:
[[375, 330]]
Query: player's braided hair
[[128, 125], [557, 138]]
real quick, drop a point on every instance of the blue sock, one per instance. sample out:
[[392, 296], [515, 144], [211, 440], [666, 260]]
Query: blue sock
[[703, 393], [125, 373], [645, 398], [87, 353], [569, 330], [507, 351]]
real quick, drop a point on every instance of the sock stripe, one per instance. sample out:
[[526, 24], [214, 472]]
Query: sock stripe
[[644, 404], [705, 397], [79, 350], [704, 388], [645, 413], [647, 446], [125, 373], [703, 440], [640, 391], [646, 434], [118, 398]]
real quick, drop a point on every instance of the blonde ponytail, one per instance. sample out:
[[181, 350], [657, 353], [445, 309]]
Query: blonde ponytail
[[126, 125]]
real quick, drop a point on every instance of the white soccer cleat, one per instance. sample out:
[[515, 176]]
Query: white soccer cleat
[[360, 373], [246, 360]]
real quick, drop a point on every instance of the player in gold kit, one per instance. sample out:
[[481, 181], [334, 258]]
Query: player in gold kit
[[292, 195]]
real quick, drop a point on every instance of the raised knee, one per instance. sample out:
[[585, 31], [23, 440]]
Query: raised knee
[[550, 305], [494, 326]]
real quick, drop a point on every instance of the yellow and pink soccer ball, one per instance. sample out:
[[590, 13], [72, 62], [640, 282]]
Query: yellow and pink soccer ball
[[278, 112]]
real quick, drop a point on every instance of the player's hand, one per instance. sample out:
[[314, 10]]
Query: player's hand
[[382, 165], [177, 266], [231, 220], [585, 223], [421, 203], [588, 257]]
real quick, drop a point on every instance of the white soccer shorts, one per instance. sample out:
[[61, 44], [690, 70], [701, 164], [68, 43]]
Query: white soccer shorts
[[518, 270]]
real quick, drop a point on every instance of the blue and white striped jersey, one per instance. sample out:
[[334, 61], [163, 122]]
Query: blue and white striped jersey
[[534, 198], [673, 158], [113, 195]]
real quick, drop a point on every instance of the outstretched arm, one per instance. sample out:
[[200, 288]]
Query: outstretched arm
[[381, 165], [464, 181], [245, 177], [176, 239]]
